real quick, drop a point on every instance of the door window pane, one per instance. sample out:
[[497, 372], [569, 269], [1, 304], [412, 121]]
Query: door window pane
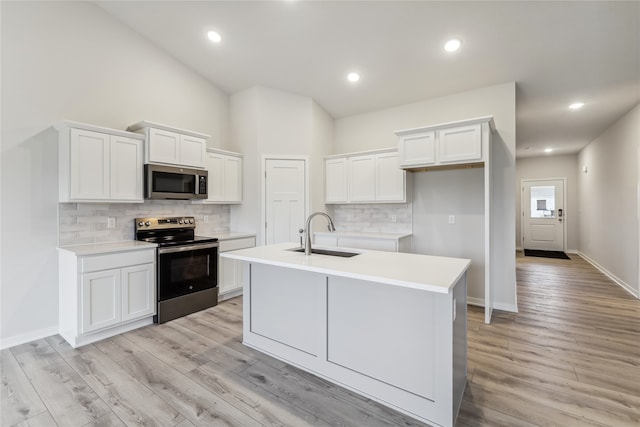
[[543, 201]]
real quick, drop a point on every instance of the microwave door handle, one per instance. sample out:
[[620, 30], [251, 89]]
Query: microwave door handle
[[197, 184]]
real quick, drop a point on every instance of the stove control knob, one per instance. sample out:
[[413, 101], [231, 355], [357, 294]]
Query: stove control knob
[[190, 221], [140, 224], [148, 223], [180, 222]]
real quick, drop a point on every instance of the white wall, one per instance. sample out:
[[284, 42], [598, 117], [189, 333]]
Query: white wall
[[71, 60], [375, 130], [608, 200], [436, 196], [565, 166], [269, 122]]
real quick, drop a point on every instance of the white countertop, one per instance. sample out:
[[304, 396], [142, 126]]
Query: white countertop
[[102, 248], [229, 235], [431, 273], [368, 235]]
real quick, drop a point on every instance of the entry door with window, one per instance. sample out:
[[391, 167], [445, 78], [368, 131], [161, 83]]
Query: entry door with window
[[284, 200], [543, 214]]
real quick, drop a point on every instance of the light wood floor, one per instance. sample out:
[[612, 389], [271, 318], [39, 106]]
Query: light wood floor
[[571, 356]]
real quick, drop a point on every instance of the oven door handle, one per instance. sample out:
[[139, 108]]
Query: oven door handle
[[187, 248]]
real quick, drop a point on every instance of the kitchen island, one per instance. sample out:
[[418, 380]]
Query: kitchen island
[[389, 326]]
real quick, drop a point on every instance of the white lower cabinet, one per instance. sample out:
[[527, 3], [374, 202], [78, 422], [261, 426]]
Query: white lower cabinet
[[374, 241], [103, 294], [138, 297], [229, 270]]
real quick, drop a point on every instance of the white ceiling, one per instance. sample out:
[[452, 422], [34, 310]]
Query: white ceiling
[[556, 52]]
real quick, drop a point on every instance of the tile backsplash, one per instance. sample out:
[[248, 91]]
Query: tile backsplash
[[87, 222], [373, 218]]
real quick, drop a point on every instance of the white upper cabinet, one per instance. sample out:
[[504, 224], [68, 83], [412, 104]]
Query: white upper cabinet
[[336, 190], [89, 165], [390, 179], [445, 144], [126, 168], [165, 147], [460, 144], [225, 177], [362, 178], [99, 164], [372, 177], [417, 149], [192, 150], [173, 146]]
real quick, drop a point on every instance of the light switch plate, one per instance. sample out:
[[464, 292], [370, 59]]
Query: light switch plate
[[452, 219]]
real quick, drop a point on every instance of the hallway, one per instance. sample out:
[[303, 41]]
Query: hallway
[[571, 356]]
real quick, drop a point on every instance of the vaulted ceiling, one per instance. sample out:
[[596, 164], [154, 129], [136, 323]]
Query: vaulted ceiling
[[556, 52]]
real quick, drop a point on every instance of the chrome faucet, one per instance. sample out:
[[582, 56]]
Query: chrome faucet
[[307, 246]]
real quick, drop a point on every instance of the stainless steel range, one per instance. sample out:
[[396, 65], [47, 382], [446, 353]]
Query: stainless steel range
[[187, 266]]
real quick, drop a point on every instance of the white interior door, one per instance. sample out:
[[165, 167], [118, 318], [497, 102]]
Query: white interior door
[[543, 214], [284, 200]]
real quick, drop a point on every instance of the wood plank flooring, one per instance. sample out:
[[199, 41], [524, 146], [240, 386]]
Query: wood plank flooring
[[570, 357]]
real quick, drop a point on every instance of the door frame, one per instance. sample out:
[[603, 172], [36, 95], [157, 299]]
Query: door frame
[[263, 187], [564, 203]]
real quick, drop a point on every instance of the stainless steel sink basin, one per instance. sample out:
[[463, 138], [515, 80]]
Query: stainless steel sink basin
[[342, 254]]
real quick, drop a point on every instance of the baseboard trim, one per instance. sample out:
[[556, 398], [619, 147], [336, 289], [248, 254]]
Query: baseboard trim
[[479, 302], [230, 294], [27, 337], [610, 275]]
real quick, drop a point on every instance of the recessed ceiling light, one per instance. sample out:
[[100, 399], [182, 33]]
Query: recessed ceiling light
[[576, 105], [353, 77], [214, 36], [548, 150], [452, 45]]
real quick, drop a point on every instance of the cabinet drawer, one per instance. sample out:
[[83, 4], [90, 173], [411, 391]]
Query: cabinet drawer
[[232, 245], [116, 260]]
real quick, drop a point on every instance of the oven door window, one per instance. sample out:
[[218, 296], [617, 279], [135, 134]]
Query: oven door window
[[185, 272]]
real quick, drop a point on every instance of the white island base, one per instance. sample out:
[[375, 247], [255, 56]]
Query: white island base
[[396, 340]]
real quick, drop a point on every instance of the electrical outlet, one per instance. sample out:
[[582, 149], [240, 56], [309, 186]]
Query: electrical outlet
[[111, 222], [452, 219], [206, 218], [394, 218]]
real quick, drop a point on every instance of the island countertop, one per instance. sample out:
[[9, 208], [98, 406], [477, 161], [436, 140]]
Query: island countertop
[[425, 272]]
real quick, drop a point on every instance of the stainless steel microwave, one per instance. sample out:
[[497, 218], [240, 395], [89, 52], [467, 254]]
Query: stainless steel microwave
[[174, 182]]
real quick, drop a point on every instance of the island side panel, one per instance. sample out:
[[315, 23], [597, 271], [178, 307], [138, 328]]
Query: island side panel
[[384, 332], [459, 343], [285, 312]]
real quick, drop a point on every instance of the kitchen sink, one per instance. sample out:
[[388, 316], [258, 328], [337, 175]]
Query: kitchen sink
[[330, 252]]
